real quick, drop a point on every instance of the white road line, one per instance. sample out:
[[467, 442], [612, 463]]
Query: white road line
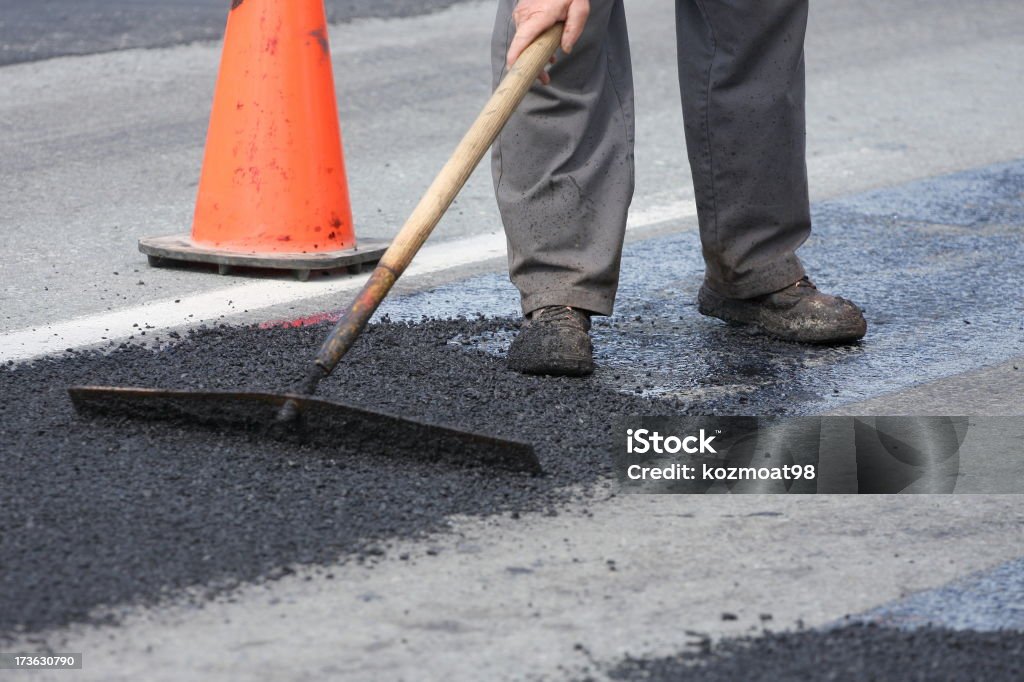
[[153, 316]]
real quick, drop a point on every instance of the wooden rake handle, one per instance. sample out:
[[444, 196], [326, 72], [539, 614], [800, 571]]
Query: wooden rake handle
[[435, 201]]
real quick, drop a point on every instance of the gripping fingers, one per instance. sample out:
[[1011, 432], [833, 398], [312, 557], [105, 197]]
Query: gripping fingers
[[533, 17], [575, 20], [529, 25]]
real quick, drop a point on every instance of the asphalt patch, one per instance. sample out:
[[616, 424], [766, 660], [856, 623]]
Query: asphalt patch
[[101, 512], [855, 653]]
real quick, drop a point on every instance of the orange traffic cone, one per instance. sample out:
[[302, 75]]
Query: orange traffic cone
[[273, 192]]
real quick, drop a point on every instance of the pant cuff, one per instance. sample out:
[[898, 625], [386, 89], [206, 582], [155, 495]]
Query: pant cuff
[[764, 280], [595, 303]]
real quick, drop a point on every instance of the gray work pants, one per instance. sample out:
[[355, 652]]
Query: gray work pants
[[563, 166]]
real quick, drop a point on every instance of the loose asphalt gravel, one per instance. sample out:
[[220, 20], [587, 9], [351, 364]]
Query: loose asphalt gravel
[[855, 653], [102, 512]]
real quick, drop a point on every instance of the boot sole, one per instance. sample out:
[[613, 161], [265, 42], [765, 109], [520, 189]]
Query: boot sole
[[554, 366]]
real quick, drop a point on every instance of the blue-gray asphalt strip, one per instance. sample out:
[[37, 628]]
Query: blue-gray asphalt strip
[[40, 29], [987, 601], [938, 266]]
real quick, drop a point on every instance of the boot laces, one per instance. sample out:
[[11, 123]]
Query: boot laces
[[805, 281], [561, 316]]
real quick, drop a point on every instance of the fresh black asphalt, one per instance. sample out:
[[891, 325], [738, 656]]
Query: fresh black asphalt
[[854, 653], [100, 512], [970, 629]]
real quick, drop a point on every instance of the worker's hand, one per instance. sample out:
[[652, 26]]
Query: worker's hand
[[533, 17]]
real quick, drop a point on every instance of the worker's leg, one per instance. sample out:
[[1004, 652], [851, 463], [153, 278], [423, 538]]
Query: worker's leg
[[741, 73], [563, 167]]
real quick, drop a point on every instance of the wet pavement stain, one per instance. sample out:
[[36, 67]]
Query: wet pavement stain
[[101, 513]]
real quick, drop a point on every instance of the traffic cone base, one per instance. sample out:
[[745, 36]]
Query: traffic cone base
[[162, 251], [273, 191]]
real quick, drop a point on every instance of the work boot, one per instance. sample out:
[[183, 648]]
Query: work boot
[[797, 313], [553, 340]]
